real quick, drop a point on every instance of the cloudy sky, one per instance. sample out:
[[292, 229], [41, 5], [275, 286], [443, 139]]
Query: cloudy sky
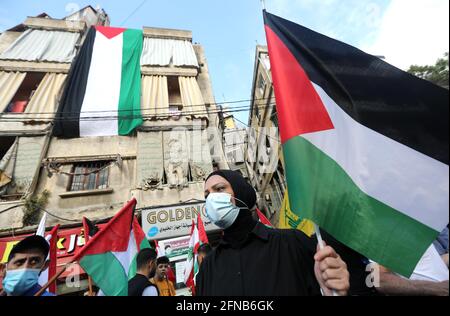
[[404, 31]]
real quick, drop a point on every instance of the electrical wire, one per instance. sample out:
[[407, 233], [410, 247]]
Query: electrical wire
[[151, 109], [126, 117]]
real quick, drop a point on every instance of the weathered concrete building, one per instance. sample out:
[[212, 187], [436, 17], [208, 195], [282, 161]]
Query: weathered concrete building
[[163, 164], [264, 156], [234, 142]]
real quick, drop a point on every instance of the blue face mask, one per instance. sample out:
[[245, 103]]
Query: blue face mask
[[220, 210], [17, 282]]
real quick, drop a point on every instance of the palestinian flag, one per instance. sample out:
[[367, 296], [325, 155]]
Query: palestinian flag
[[263, 219], [110, 255], [89, 228], [103, 90], [365, 145]]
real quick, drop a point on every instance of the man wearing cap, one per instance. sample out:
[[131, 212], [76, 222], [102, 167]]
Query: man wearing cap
[[25, 262]]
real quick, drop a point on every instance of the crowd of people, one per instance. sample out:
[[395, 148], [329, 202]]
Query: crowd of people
[[252, 259]]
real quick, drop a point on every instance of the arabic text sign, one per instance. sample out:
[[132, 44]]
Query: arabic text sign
[[172, 221]]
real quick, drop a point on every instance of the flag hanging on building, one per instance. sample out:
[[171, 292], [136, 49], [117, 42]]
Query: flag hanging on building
[[103, 90], [51, 238], [290, 220], [109, 256], [365, 145]]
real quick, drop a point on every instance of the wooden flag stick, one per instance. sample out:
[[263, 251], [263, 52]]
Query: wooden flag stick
[[90, 286], [53, 279]]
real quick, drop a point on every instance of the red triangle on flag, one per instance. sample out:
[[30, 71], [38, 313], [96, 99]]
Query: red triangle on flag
[[109, 32], [300, 108]]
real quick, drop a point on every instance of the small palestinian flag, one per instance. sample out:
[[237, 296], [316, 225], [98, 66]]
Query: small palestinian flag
[[365, 145], [110, 255], [103, 90]]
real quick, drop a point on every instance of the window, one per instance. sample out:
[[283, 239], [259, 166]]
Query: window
[[274, 118], [90, 176], [261, 85], [25, 92], [256, 107], [175, 103], [174, 91]]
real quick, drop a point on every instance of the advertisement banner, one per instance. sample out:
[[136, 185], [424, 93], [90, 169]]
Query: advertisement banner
[[173, 220]]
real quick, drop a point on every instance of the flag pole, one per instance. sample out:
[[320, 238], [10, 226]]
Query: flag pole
[[263, 4], [53, 279], [321, 246], [90, 285]]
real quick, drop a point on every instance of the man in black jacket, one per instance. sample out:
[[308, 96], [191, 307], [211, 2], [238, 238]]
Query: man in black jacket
[[140, 285]]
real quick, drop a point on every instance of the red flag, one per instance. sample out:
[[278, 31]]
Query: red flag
[[171, 275], [263, 219], [89, 229], [201, 231]]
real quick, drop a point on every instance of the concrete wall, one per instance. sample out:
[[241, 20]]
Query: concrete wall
[[214, 132], [11, 219], [92, 146], [260, 120]]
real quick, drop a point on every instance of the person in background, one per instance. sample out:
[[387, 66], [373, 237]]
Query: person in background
[[430, 277], [441, 244], [25, 263], [139, 285], [160, 279]]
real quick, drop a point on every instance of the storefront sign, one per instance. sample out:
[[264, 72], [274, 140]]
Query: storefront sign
[[172, 221], [69, 242]]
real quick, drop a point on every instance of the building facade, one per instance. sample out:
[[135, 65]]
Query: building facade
[[162, 164], [234, 142], [264, 156]]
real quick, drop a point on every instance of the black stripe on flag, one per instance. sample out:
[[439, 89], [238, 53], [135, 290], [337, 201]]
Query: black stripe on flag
[[67, 122], [405, 108]]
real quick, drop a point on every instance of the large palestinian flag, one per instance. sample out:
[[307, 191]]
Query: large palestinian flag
[[103, 90], [110, 255], [365, 145]]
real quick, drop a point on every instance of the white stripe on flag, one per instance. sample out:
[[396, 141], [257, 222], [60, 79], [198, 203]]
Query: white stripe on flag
[[126, 257], [392, 173], [103, 87]]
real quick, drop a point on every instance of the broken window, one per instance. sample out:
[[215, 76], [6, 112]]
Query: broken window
[[23, 95], [90, 176]]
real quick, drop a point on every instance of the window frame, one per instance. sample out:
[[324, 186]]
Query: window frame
[[85, 183]]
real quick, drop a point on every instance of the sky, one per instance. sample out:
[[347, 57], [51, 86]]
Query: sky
[[405, 32]]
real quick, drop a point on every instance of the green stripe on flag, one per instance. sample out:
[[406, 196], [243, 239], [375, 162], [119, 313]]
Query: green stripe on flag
[[130, 86], [133, 266], [107, 273], [320, 190]]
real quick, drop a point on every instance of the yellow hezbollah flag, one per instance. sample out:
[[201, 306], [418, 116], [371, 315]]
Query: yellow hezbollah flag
[[289, 220]]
